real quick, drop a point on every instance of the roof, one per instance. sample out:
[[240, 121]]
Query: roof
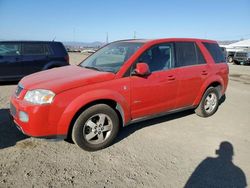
[[26, 41], [165, 39], [243, 43]]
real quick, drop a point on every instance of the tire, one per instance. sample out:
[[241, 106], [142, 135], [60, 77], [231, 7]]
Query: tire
[[96, 127], [230, 59], [209, 103], [236, 62]]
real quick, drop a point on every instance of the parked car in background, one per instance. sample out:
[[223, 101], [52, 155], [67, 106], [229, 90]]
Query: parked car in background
[[242, 58], [109, 90], [21, 58], [88, 51]]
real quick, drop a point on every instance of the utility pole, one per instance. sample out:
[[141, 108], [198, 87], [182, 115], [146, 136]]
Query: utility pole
[[107, 38], [74, 34], [134, 34]]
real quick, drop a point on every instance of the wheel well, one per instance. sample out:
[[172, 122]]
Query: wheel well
[[215, 84], [53, 66], [108, 102]]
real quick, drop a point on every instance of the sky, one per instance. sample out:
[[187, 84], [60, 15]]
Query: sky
[[89, 21]]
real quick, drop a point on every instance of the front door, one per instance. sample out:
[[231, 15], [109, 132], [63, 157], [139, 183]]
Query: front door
[[155, 93], [10, 58]]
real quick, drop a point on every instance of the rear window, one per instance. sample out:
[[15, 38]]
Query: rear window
[[215, 52], [35, 49]]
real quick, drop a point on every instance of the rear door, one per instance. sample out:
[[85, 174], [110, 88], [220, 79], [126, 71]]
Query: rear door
[[10, 61], [35, 57], [193, 71]]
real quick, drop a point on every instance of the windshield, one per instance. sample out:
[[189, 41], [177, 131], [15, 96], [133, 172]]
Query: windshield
[[111, 57]]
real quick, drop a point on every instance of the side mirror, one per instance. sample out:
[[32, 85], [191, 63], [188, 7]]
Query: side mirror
[[141, 69]]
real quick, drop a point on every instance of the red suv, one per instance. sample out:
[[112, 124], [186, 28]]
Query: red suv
[[123, 82]]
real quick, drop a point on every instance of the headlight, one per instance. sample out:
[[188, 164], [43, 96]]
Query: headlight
[[39, 96]]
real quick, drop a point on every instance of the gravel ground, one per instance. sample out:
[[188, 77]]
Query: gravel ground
[[164, 152]]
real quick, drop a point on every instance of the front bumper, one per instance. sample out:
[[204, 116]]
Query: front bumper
[[242, 60], [40, 123]]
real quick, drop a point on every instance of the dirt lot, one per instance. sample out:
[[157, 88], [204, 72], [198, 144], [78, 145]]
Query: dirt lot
[[163, 152]]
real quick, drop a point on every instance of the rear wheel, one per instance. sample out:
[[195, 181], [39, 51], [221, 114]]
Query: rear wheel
[[96, 128], [209, 103]]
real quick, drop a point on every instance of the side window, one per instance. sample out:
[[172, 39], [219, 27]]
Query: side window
[[9, 49], [200, 57], [185, 54], [34, 49], [159, 57], [215, 52]]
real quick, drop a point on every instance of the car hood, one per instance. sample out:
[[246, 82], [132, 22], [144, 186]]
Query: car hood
[[64, 78]]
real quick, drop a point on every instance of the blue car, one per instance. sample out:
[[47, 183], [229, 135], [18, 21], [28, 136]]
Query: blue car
[[21, 58]]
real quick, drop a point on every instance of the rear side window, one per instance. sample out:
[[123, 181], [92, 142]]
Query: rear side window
[[9, 49], [35, 49], [215, 52], [185, 54], [200, 57], [58, 49]]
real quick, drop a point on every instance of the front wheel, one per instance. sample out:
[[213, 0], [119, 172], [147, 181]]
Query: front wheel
[[96, 128], [209, 103], [230, 59]]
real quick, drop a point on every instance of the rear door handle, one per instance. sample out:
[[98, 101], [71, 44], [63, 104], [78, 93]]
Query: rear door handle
[[204, 72], [171, 77]]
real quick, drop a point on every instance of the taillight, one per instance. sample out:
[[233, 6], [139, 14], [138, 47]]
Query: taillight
[[67, 58]]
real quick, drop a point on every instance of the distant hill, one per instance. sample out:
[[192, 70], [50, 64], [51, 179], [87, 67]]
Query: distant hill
[[226, 42], [83, 44], [98, 44]]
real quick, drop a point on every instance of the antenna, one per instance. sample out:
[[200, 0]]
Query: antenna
[[54, 39]]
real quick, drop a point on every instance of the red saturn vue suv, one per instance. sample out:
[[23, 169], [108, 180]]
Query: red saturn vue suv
[[123, 82]]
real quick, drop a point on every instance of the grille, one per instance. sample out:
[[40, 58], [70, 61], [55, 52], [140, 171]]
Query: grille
[[19, 90]]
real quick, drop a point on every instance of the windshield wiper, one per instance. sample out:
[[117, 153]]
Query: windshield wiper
[[93, 68]]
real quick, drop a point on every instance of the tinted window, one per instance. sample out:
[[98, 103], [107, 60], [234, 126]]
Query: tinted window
[[185, 54], [159, 57], [200, 57], [9, 49], [215, 52], [35, 49]]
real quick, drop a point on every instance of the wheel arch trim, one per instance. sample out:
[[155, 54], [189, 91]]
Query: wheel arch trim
[[88, 99], [214, 81]]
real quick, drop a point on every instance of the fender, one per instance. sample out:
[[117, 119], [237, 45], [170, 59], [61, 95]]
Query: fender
[[209, 81], [91, 96]]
